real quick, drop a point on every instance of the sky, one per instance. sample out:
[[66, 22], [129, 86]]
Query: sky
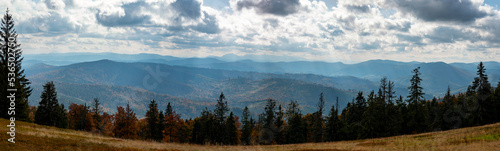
[[346, 31]]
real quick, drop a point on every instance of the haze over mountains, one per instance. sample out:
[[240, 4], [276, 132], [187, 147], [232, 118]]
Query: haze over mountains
[[192, 84]]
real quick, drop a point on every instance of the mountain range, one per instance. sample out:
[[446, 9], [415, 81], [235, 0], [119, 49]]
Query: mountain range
[[195, 83]]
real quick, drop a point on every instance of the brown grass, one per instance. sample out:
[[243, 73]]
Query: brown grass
[[35, 137]]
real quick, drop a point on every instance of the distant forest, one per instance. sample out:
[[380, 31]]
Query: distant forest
[[378, 114]]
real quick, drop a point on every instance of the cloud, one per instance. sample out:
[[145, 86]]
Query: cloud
[[445, 34], [178, 16], [274, 7], [440, 10], [187, 8], [132, 15], [55, 4], [53, 24], [358, 8]]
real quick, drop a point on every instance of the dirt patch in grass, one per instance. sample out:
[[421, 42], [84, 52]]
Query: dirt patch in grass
[[369, 144]]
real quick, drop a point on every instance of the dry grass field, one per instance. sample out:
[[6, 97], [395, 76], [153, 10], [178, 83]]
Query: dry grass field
[[35, 137]]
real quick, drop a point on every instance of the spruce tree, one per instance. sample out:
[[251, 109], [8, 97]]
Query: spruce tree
[[161, 123], [497, 102], [221, 109], [246, 129], [318, 121], [333, 124], [96, 115], [482, 87], [48, 107], [168, 111], [61, 116], [232, 131], [268, 129], [416, 111], [279, 123], [12, 75], [152, 117], [296, 132]]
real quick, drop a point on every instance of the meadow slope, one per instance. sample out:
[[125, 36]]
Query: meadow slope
[[35, 137]]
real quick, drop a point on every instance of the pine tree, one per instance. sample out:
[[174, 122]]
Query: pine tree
[[152, 117], [12, 75], [416, 111]]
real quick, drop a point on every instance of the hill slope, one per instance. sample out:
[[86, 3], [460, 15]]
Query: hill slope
[[35, 137], [114, 82]]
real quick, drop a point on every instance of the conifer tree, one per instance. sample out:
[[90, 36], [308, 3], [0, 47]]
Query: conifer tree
[[221, 109], [96, 115], [279, 123], [48, 108], [482, 87], [416, 111], [333, 124], [168, 111], [247, 127], [161, 123], [232, 131], [61, 116], [497, 102], [268, 129], [11, 73], [152, 117], [318, 121], [296, 132]]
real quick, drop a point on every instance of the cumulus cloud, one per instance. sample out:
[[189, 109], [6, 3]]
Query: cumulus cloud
[[274, 7], [358, 8], [177, 16], [132, 15], [440, 10], [188, 8], [55, 4]]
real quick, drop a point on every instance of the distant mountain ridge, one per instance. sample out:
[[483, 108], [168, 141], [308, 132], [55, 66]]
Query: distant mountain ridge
[[202, 79], [177, 82]]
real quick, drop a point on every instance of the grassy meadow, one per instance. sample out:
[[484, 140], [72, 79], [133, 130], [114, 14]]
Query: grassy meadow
[[36, 137]]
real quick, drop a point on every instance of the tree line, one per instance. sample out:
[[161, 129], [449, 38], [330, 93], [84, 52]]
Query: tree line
[[373, 115]]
